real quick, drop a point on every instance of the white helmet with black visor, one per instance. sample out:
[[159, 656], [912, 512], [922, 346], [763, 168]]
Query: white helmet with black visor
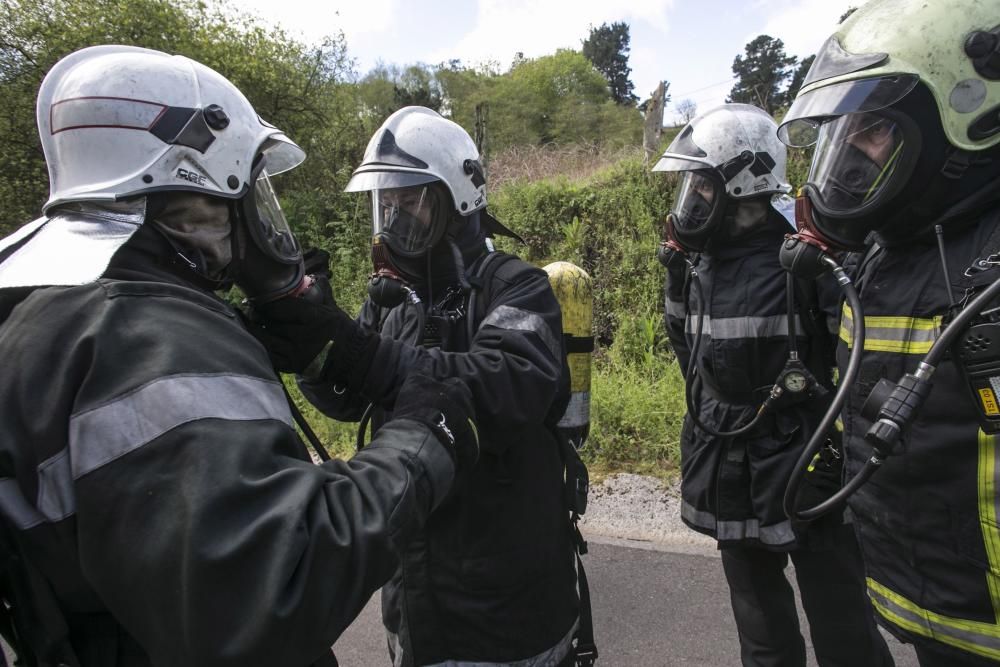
[[422, 170], [725, 156], [120, 123]]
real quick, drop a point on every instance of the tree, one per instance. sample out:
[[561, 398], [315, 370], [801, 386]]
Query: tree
[[845, 15], [797, 79], [761, 72], [607, 48], [686, 109]]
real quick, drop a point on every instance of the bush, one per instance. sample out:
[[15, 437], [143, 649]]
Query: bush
[[636, 414], [609, 224]]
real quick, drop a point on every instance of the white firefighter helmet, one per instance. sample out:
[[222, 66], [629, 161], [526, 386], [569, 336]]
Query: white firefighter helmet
[[725, 156], [416, 145], [740, 142], [119, 121], [414, 164]]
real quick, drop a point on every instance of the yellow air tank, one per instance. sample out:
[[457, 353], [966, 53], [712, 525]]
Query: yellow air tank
[[573, 288]]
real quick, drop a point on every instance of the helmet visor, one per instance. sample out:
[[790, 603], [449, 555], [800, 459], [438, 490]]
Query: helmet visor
[[268, 225], [410, 219], [855, 160], [695, 200], [810, 110]]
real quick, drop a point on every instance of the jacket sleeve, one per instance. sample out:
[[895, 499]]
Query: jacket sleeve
[[513, 365], [338, 402], [675, 316], [200, 525]]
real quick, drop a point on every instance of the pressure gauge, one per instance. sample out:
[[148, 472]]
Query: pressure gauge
[[795, 381]]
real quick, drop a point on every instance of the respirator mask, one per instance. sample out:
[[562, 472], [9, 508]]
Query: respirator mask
[[267, 259]]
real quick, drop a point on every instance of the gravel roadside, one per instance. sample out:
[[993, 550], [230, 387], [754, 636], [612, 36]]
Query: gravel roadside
[[637, 509]]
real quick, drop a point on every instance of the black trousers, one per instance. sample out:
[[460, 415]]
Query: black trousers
[[841, 622]]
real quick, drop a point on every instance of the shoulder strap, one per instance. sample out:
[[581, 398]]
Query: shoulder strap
[[577, 486], [481, 282]]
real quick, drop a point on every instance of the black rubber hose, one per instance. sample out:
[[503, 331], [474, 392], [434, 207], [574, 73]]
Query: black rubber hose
[[689, 377], [844, 384], [306, 428], [793, 344], [957, 325], [359, 441]]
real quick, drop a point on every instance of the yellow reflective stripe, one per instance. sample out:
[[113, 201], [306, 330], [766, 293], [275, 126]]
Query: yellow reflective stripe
[[958, 632], [988, 515], [945, 629], [893, 333], [987, 498]]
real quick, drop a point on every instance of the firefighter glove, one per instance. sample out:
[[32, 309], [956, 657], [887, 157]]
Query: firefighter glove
[[446, 407], [296, 330]]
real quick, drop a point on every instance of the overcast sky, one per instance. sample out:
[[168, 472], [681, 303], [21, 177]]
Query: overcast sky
[[690, 43]]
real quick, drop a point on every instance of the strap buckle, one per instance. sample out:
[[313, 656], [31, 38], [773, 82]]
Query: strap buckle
[[956, 165], [983, 264], [586, 655]]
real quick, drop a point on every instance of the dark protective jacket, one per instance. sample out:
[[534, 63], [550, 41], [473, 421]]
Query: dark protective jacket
[[732, 488], [492, 578], [152, 481], [927, 520]]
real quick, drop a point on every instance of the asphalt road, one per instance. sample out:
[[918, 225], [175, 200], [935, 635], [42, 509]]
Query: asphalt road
[[652, 608]]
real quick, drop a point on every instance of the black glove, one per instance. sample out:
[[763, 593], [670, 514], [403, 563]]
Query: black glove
[[446, 407], [294, 330], [316, 262]]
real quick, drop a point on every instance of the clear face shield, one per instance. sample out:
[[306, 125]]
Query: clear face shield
[[411, 219], [267, 223], [698, 206], [856, 158], [269, 256]]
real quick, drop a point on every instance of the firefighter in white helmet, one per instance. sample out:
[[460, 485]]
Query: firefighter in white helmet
[[156, 503], [757, 378], [492, 581]]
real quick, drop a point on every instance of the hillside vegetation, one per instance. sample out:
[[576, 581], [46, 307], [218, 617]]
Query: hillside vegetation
[[560, 150]]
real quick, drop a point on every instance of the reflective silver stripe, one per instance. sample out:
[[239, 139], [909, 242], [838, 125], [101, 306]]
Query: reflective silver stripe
[[15, 507], [508, 317], [103, 434], [677, 309], [923, 623], [743, 327], [577, 410], [775, 534], [547, 658], [55, 487]]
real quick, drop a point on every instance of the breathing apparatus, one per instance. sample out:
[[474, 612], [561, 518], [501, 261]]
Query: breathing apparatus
[[731, 173], [905, 117], [573, 288]]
